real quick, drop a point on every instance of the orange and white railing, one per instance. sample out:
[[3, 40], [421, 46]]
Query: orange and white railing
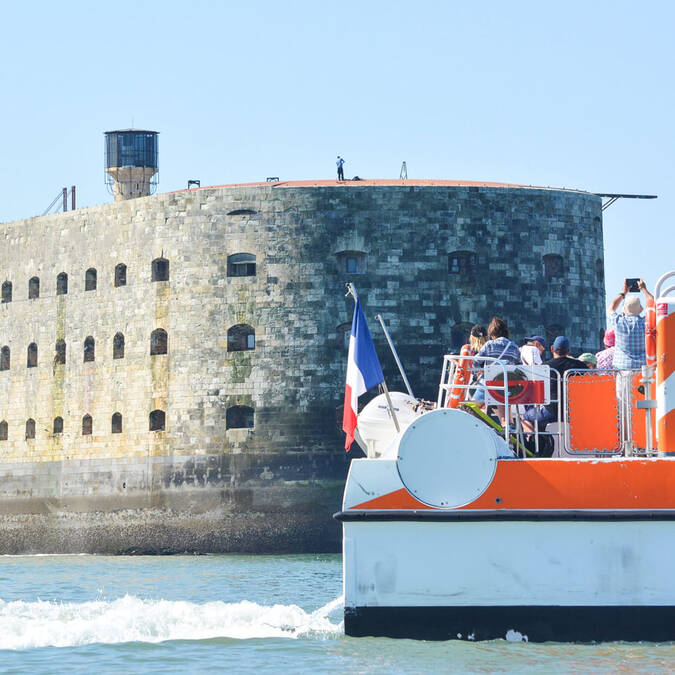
[[665, 365]]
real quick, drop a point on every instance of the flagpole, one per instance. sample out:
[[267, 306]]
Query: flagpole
[[391, 406], [351, 290], [393, 351]]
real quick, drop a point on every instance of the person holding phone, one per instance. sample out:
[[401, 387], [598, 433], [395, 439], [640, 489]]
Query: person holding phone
[[629, 326], [629, 339]]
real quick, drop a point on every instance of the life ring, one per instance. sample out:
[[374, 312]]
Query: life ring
[[650, 332], [462, 375]]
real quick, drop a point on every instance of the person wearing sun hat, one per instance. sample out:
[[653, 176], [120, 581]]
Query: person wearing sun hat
[[589, 359], [605, 358], [629, 328], [629, 342]]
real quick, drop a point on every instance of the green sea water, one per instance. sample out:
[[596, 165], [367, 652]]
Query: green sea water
[[240, 614]]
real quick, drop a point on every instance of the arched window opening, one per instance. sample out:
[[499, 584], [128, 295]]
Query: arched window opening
[[553, 266], [89, 349], [87, 425], [352, 262], [158, 342], [241, 265], [3, 430], [60, 355], [117, 423], [31, 361], [599, 270], [160, 269], [239, 417], [4, 358], [240, 338], [157, 420], [459, 336], [242, 212], [90, 279], [462, 263], [58, 425], [30, 428], [118, 346], [7, 291], [62, 284], [33, 288], [120, 275]]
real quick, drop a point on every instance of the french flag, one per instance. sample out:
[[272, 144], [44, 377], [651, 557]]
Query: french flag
[[363, 371]]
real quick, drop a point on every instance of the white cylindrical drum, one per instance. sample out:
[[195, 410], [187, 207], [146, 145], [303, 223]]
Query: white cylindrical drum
[[447, 458]]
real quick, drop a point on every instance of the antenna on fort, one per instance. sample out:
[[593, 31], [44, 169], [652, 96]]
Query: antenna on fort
[[131, 166], [404, 172], [62, 196]]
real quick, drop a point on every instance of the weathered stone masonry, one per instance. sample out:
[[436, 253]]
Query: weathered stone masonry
[[429, 258]]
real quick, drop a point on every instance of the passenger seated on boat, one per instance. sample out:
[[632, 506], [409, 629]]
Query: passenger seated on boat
[[531, 351], [560, 364], [498, 347], [477, 339], [606, 356], [589, 359]]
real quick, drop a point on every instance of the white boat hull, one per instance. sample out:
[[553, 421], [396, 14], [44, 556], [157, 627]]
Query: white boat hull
[[546, 576]]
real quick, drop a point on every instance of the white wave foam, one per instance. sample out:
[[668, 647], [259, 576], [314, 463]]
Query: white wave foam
[[25, 625], [515, 636]]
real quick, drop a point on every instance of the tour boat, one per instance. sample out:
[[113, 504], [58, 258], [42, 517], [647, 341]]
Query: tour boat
[[451, 531]]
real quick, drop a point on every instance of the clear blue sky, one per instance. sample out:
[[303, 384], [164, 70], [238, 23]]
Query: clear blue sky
[[574, 94]]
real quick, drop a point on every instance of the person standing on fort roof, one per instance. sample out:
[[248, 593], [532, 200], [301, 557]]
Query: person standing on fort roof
[[340, 164]]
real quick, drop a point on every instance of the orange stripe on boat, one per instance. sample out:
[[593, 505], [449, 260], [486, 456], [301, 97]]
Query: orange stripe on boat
[[564, 484], [398, 499]]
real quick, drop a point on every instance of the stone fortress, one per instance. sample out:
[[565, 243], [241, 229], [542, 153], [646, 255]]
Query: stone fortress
[[172, 366]]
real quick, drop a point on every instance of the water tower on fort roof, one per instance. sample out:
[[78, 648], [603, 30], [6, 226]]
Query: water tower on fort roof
[[131, 164]]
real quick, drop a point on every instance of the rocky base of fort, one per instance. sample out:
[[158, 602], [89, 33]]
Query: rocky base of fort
[[277, 519]]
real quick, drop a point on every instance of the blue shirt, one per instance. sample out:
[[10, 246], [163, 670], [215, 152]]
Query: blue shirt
[[629, 344], [500, 348]]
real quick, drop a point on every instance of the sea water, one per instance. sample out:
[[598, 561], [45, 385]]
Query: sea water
[[243, 614]]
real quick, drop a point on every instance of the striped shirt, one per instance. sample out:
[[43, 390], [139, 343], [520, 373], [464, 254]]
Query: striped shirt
[[629, 344], [500, 348]]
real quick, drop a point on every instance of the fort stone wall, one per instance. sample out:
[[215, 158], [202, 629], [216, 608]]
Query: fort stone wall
[[248, 289]]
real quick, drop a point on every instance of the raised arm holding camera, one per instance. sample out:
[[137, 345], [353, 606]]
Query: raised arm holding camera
[[629, 336], [632, 304]]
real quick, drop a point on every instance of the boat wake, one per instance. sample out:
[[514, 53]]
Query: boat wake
[[26, 625]]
